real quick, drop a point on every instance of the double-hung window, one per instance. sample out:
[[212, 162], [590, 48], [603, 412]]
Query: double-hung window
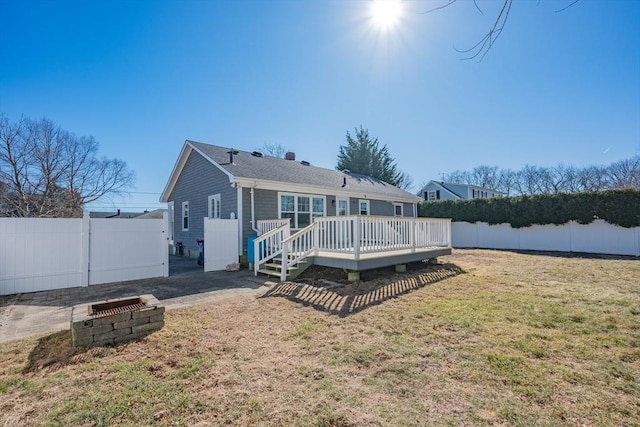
[[185, 216], [342, 207], [363, 207], [214, 206], [301, 208]]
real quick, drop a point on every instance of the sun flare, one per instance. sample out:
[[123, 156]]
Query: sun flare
[[385, 14]]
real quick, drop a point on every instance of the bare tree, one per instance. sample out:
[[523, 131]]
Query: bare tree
[[507, 181], [625, 173], [593, 178], [484, 45], [275, 150], [47, 171], [530, 180]]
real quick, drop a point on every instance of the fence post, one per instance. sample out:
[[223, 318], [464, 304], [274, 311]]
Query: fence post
[[165, 244], [86, 242]]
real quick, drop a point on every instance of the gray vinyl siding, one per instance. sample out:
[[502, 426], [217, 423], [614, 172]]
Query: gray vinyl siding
[[444, 195], [461, 190], [265, 207], [199, 180]]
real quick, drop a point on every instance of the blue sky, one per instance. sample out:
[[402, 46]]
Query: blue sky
[[142, 76]]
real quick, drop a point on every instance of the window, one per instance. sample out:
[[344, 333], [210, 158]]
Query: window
[[342, 207], [397, 209], [214, 206], [185, 216], [301, 209], [363, 207], [432, 195]]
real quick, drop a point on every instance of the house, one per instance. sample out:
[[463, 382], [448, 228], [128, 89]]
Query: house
[[437, 190], [220, 182], [154, 214]]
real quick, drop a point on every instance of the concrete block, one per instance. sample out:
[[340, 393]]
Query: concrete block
[[353, 276], [147, 327], [112, 334], [130, 323], [112, 319], [157, 318], [433, 260], [401, 268], [107, 341], [147, 311], [83, 342]]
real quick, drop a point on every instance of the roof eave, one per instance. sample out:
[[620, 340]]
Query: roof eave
[[314, 189]]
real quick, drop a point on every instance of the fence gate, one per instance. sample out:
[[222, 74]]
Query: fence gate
[[220, 243]]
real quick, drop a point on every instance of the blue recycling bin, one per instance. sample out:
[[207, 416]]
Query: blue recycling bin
[[250, 252], [201, 254]]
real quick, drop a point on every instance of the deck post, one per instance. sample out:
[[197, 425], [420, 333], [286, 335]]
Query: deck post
[[412, 235], [285, 262], [356, 238]]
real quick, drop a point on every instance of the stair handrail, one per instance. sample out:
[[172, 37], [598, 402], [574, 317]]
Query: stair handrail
[[269, 245], [297, 247]]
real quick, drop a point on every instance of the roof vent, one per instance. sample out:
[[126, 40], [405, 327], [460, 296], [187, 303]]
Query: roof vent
[[257, 154], [305, 163], [290, 155], [231, 153], [347, 171]]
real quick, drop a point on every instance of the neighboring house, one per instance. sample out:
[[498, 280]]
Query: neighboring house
[[219, 182], [154, 214], [436, 190]]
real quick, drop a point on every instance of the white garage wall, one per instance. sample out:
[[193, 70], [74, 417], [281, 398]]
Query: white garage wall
[[598, 237], [39, 254]]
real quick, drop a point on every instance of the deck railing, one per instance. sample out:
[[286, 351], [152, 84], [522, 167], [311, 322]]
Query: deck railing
[[297, 247], [269, 245], [369, 234], [266, 225], [352, 235]]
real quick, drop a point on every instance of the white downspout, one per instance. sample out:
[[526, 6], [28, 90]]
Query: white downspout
[[253, 212]]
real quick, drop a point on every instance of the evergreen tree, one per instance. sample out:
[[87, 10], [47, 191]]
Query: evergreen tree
[[363, 155]]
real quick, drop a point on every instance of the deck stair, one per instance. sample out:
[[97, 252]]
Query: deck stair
[[274, 268]]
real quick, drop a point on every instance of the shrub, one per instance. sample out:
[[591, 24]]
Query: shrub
[[619, 207]]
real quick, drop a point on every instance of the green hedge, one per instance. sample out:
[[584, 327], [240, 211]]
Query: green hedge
[[619, 207]]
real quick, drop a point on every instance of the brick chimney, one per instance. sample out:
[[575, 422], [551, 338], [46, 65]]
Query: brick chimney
[[290, 155]]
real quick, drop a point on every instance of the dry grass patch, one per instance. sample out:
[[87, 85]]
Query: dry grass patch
[[486, 338]]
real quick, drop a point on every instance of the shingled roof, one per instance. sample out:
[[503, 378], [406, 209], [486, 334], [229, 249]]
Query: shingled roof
[[248, 166]]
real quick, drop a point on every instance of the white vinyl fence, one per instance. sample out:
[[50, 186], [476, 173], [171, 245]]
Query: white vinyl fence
[[598, 237], [39, 254]]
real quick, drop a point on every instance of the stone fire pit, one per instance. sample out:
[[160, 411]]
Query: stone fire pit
[[116, 320]]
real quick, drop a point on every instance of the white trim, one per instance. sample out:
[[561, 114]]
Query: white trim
[[368, 204], [172, 218], [187, 148], [401, 205], [212, 214], [240, 220], [294, 222], [342, 199], [183, 216], [318, 190]]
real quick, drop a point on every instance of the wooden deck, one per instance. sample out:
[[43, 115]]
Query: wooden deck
[[353, 243], [368, 261]]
